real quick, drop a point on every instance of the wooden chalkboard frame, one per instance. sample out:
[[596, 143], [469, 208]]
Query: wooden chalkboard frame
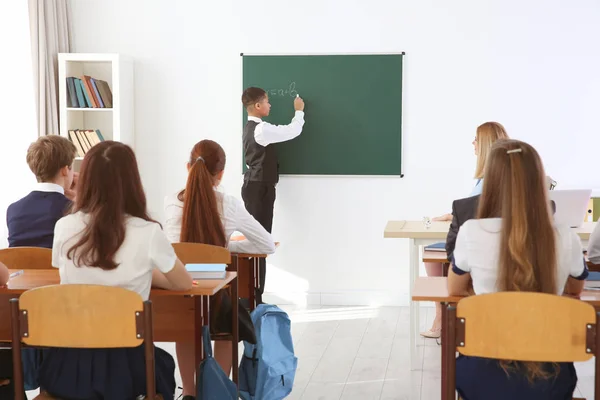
[[402, 152]]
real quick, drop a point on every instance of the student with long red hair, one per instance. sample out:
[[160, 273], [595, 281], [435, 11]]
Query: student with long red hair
[[202, 214]]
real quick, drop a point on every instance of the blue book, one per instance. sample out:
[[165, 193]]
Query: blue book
[[100, 135], [593, 276], [85, 93], [71, 94], [78, 89], [205, 267], [436, 247]]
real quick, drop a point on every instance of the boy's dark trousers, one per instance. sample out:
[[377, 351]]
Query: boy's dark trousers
[[259, 199]]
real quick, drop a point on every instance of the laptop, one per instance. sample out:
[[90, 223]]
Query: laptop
[[571, 206]]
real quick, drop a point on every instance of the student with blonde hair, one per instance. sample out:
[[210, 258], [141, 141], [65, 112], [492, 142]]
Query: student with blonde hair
[[487, 134], [515, 246]]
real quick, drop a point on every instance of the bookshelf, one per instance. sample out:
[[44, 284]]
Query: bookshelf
[[115, 123]]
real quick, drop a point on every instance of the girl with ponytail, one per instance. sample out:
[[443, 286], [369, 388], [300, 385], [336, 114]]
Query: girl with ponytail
[[202, 214]]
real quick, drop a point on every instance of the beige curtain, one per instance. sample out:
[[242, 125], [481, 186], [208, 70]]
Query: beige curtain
[[49, 25]]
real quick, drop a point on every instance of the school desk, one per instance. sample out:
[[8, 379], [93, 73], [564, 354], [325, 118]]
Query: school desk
[[178, 316], [420, 235], [248, 273], [436, 289]]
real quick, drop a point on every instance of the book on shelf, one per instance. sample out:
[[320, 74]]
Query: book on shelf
[[85, 139], [88, 92], [206, 271]]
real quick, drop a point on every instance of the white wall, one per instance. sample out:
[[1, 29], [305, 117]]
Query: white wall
[[531, 65], [17, 107]]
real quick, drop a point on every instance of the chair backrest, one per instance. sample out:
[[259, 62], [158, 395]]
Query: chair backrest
[[200, 253], [26, 257], [524, 326], [81, 316]]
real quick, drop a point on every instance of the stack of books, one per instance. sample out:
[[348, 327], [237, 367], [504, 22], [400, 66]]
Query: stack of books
[[85, 139], [87, 92], [206, 271], [592, 282]]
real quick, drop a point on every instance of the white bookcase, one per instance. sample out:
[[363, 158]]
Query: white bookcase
[[114, 123]]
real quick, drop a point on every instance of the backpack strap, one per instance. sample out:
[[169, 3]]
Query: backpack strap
[[206, 341]]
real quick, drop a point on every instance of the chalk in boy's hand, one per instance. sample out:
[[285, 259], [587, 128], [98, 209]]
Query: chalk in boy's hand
[[298, 103]]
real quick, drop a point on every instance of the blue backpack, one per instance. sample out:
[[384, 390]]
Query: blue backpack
[[212, 383], [268, 368]]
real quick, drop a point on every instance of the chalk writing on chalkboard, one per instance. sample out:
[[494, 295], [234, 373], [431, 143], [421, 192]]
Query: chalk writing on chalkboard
[[290, 91]]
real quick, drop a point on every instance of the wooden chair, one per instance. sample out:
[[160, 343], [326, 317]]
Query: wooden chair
[[199, 253], [81, 316], [26, 257], [520, 326]]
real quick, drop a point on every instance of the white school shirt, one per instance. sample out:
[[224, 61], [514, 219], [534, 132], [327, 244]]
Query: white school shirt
[[266, 133], [478, 247], [145, 247], [234, 216]]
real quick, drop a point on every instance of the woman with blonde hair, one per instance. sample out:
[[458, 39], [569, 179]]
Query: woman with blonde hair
[[515, 246], [487, 134]]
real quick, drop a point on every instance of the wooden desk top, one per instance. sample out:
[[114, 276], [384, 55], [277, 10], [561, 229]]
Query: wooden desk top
[[436, 289], [34, 278], [416, 230], [435, 256], [439, 230], [248, 255]]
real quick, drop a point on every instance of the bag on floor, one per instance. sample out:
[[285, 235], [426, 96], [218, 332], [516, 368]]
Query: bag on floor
[[212, 383], [268, 367]]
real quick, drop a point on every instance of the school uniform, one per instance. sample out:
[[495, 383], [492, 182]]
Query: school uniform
[[262, 175], [30, 223], [235, 218], [117, 374], [31, 220], [477, 252]]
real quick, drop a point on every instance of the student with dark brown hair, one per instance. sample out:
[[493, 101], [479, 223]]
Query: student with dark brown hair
[[514, 245], [202, 214], [109, 239], [260, 155]]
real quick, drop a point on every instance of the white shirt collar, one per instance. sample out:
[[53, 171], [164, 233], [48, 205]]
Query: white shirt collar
[[49, 187], [255, 119]]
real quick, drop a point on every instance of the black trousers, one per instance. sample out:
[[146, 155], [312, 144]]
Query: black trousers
[[259, 199]]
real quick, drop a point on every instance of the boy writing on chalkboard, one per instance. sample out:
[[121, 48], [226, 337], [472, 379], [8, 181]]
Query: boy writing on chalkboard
[[262, 175]]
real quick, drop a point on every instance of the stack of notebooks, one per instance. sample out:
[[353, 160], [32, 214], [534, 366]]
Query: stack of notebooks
[[88, 92], [592, 282], [85, 139], [441, 247], [206, 271]]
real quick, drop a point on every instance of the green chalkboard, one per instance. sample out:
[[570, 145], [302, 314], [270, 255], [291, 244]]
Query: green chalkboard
[[353, 111]]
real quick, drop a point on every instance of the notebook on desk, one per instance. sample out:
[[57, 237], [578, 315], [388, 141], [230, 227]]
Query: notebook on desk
[[206, 271], [441, 247]]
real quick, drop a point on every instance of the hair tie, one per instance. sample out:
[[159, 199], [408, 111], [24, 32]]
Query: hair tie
[[514, 151], [200, 159]]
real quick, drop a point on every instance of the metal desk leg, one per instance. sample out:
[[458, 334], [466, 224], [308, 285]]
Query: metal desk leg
[[414, 306]]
